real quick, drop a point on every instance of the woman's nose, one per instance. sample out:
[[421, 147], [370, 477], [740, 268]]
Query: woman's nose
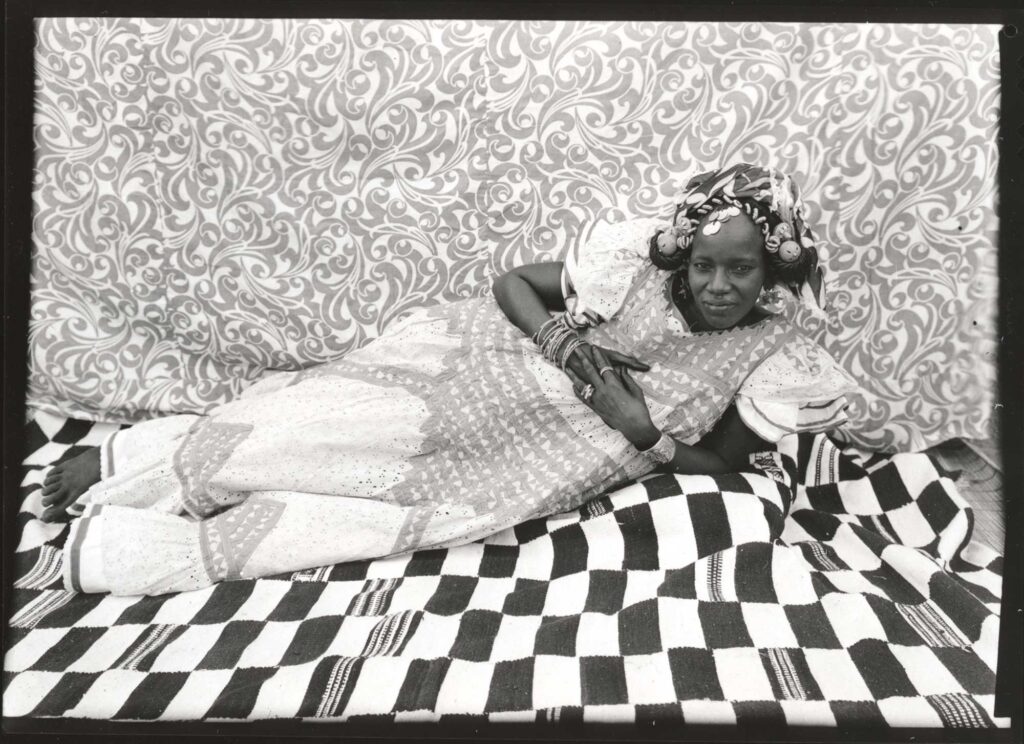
[[719, 282]]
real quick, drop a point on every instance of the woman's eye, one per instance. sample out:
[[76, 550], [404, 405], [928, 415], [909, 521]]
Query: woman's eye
[[744, 269]]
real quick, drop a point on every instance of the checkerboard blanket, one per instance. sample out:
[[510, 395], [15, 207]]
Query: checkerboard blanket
[[817, 588]]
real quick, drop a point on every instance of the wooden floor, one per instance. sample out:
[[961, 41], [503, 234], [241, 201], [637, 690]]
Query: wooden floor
[[981, 485]]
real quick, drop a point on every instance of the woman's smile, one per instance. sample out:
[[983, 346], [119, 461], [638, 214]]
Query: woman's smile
[[720, 314]]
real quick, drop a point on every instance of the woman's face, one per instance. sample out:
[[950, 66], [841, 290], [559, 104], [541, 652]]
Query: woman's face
[[727, 271]]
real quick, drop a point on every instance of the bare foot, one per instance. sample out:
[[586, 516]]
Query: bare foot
[[69, 480]]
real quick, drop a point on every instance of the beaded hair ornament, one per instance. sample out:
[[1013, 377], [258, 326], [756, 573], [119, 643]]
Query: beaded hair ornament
[[771, 200]]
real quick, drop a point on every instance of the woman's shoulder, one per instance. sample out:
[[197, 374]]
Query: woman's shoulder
[[604, 266], [621, 233]]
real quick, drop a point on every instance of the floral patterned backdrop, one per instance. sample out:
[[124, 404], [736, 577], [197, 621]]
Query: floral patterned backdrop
[[214, 198]]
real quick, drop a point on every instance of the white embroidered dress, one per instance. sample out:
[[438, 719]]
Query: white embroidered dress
[[449, 427]]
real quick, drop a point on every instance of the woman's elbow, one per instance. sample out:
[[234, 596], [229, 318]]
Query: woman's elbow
[[503, 282], [499, 284]]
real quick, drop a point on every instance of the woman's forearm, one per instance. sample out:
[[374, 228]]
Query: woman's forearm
[[528, 304], [725, 449], [687, 459], [690, 460], [520, 303]]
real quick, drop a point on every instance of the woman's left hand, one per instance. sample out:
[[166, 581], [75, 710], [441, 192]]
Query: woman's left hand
[[617, 399]]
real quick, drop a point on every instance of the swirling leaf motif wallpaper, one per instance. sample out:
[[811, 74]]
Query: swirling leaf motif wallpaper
[[215, 198]]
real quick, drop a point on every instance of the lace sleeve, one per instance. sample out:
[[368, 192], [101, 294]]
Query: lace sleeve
[[597, 275], [799, 388]]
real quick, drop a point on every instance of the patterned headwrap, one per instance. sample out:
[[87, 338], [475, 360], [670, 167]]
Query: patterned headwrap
[[599, 271], [772, 200]]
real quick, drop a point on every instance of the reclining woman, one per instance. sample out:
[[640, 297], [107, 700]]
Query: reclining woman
[[662, 344]]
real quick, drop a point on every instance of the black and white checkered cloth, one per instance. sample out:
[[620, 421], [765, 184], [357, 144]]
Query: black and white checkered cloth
[[815, 589]]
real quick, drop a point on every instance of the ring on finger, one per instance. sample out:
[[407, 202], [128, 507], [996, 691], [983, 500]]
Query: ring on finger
[[587, 392], [605, 368]]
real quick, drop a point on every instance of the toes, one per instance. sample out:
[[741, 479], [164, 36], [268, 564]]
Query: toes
[[55, 497], [49, 489], [65, 498], [55, 513]]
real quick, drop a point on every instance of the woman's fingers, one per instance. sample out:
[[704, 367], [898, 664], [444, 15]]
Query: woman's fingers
[[587, 352], [602, 363], [589, 370], [626, 360], [631, 384], [577, 383]]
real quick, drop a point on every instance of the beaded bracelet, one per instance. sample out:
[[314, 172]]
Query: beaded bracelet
[[540, 332], [547, 339], [568, 350], [662, 451], [553, 341], [557, 341], [561, 352]]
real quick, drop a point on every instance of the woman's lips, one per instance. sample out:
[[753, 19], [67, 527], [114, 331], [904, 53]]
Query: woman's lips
[[719, 307]]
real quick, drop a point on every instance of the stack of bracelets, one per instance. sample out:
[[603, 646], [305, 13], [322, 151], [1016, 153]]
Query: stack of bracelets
[[557, 341]]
